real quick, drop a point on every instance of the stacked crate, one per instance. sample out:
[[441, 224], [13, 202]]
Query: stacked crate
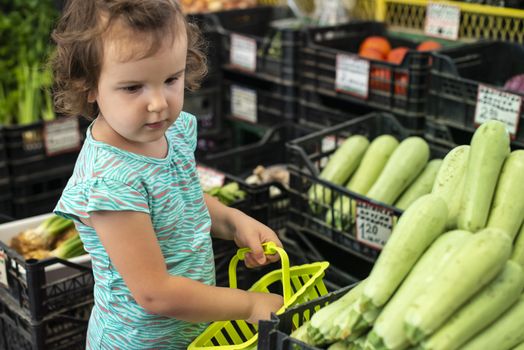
[[463, 79], [258, 56], [331, 68], [40, 160], [44, 304]]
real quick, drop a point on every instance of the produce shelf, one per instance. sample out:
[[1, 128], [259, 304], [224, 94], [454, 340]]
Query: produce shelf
[[399, 89]]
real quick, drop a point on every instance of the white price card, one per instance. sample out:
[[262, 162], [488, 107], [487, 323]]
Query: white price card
[[61, 136], [373, 224], [3, 269], [498, 105], [442, 21], [209, 178], [352, 75], [243, 52], [244, 103]]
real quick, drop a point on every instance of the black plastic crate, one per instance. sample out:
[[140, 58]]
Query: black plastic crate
[[29, 288], [23, 207], [259, 102], [213, 141], [205, 104], [344, 268], [61, 331], [5, 200], [455, 77], [42, 182], [3, 156], [276, 34], [447, 136], [274, 334], [26, 149], [238, 163], [38, 192], [306, 155], [399, 89], [325, 111]]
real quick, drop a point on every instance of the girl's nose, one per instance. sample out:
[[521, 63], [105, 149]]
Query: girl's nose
[[157, 103]]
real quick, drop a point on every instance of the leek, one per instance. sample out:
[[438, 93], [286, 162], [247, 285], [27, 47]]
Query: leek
[[43, 236], [71, 248]]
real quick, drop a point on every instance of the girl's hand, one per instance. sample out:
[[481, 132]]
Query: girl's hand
[[263, 304], [251, 233]]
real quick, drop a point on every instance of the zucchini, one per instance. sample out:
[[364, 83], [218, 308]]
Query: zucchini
[[340, 345], [404, 165], [507, 211], [518, 248], [505, 333], [338, 169], [489, 149], [388, 330], [322, 328], [519, 347], [367, 173], [421, 186], [476, 263], [301, 334], [372, 164], [484, 308], [449, 183], [416, 229]]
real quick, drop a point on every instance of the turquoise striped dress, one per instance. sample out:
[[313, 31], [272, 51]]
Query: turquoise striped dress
[[168, 189]]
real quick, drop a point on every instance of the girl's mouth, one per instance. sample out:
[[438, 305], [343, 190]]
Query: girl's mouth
[[156, 125]]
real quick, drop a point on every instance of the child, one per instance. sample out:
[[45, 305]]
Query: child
[[135, 194]]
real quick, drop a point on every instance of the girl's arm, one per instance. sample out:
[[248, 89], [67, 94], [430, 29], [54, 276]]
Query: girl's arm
[[131, 244], [232, 224]]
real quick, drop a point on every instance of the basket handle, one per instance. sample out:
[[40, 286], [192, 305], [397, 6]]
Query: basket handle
[[270, 248]]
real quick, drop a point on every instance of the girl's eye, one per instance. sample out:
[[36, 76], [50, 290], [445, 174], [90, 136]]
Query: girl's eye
[[131, 89], [171, 80]]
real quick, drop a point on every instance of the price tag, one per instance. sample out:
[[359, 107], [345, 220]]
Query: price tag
[[352, 75], [498, 105], [61, 136], [3, 269], [244, 103], [209, 178], [243, 52], [442, 21], [373, 224]]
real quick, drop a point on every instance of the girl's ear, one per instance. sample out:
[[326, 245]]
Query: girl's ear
[[91, 96]]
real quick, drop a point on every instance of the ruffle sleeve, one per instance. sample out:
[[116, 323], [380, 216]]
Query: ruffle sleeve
[[100, 194]]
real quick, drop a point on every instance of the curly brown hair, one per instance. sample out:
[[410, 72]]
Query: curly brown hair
[[79, 35]]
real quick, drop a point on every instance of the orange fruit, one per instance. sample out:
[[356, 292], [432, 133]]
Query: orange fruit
[[371, 54], [396, 56], [428, 45], [378, 43]]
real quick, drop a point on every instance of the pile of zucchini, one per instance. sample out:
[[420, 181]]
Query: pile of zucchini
[[384, 170], [451, 275]]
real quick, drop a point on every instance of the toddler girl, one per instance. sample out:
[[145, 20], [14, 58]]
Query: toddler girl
[[135, 194]]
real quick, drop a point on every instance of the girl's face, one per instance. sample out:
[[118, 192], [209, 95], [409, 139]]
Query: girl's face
[[140, 98]]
